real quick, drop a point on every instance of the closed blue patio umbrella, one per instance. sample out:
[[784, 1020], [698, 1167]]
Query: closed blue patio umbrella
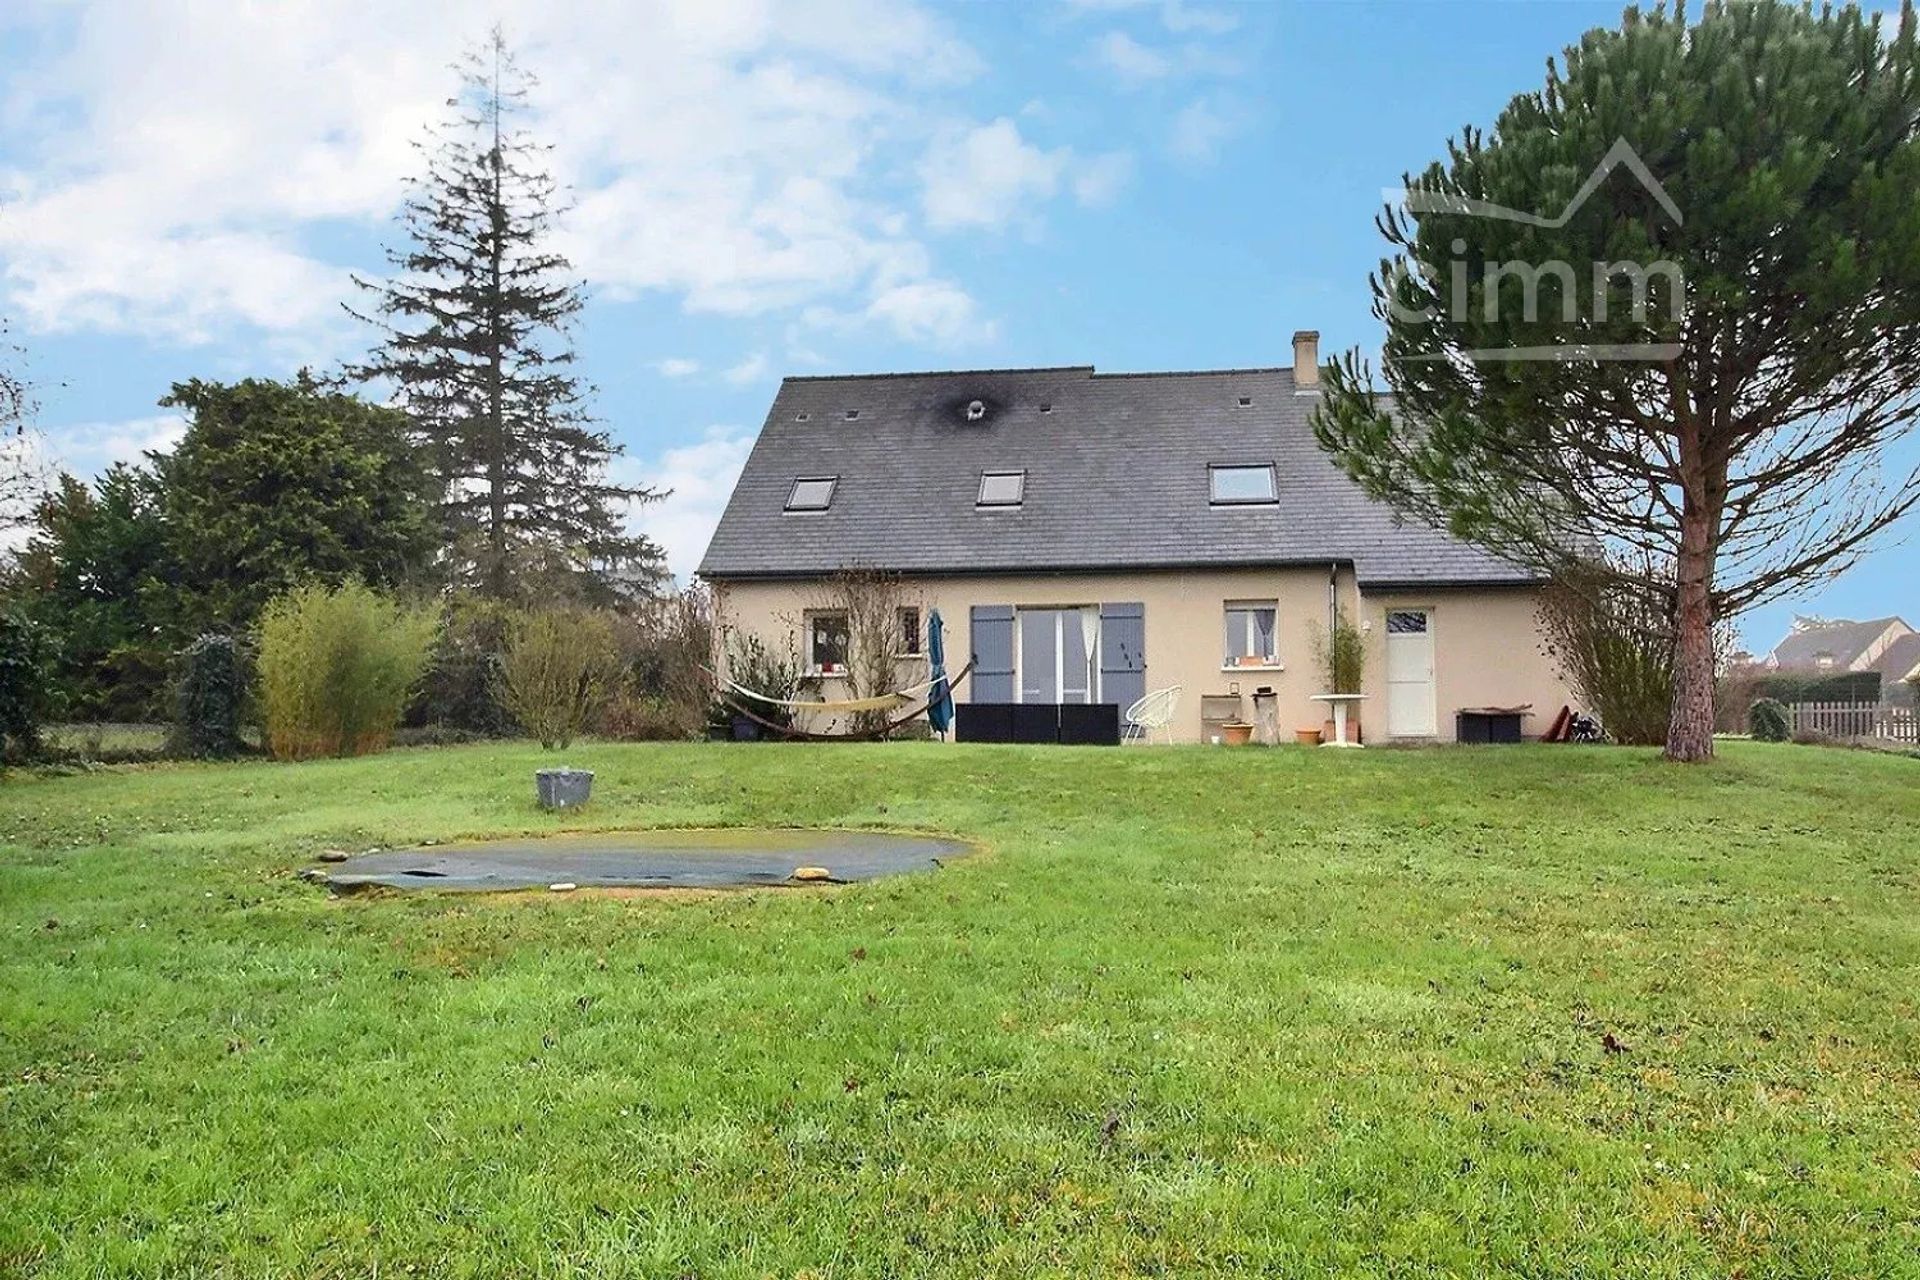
[[939, 693]]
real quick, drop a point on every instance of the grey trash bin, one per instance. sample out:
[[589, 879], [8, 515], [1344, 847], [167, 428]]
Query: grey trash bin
[[563, 788]]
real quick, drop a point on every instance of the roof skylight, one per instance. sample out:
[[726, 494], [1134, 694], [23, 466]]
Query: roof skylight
[[1240, 484], [1002, 488], [813, 493]]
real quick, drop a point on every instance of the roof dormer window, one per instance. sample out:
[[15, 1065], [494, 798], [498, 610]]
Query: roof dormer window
[[812, 493], [1002, 489], [1235, 484]]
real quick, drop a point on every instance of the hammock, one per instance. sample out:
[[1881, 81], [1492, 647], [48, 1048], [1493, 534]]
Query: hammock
[[725, 689], [879, 702]]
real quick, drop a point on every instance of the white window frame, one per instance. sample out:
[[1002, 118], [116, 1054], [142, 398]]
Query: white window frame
[[793, 493], [1251, 661], [1213, 493], [919, 645], [1060, 612], [809, 624]]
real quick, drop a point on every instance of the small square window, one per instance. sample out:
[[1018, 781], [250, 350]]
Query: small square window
[[802, 416], [1002, 488], [910, 632], [1246, 402], [1251, 628], [1235, 483], [826, 644], [812, 494], [852, 414], [1046, 406]]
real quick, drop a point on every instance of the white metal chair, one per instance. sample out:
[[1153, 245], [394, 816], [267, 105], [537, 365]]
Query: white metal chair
[[1156, 711]]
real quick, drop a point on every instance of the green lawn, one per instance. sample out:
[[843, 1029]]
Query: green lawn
[[1509, 1011]]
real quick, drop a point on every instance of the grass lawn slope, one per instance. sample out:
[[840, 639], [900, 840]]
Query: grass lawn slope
[[1510, 1011]]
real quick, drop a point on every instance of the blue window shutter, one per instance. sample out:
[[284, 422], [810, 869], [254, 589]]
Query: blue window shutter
[[1123, 657], [992, 644]]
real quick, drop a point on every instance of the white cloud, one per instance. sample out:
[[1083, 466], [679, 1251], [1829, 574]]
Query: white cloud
[[1198, 132], [937, 312], [1102, 178], [677, 367], [984, 177], [1176, 16], [178, 170], [989, 176], [701, 476], [749, 370], [89, 448], [1127, 58]]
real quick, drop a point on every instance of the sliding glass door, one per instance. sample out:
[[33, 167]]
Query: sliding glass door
[[1056, 654]]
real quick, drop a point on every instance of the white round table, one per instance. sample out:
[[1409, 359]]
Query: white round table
[[1339, 702]]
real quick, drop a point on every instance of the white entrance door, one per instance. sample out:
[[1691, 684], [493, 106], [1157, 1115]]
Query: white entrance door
[[1410, 673]]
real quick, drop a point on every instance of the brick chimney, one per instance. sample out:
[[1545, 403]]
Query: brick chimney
[[1306, 359]]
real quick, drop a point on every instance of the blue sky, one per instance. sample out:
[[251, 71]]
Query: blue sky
[[809, 186]]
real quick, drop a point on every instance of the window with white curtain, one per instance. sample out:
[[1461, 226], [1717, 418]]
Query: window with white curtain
[[1252, 628]]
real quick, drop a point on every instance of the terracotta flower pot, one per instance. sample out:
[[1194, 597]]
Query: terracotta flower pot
[[1236, 735], [1353, 729], [1307, 737]]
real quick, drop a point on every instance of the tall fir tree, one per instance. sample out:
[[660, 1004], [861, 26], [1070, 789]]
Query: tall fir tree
[[23, 469], [476, 318]]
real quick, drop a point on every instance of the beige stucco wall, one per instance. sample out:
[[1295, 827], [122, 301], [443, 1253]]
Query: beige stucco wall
[[1486, 642], [1487, 652]]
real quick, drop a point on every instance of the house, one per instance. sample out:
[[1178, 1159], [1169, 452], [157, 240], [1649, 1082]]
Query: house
[[1886, 645], [1088, 537]]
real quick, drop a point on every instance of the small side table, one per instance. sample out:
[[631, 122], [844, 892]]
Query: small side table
[[1339, 702]]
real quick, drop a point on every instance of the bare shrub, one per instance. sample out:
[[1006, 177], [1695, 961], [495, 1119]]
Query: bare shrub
[[662, 693], [753, 664], [871, 600], [556, 671], [1615, 647]]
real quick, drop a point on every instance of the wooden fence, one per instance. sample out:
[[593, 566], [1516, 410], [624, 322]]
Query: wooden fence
[[1892, 722]]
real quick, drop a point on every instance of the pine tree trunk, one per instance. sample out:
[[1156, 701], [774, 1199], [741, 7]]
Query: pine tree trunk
[[496, 409], [1690, 721], [1690, 724]]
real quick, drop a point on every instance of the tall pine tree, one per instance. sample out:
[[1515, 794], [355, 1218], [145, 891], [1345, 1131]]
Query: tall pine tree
[[476, 319], [1691, 384]]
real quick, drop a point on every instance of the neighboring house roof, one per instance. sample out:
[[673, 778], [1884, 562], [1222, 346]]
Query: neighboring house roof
[[1901, 661], [1116, 478], [1843, 642]]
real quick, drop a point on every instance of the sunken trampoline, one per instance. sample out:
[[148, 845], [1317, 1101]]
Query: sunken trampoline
[[648, 860]]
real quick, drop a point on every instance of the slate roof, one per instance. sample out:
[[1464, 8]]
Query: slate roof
[[1116, 479], [1846, 641], [1901, 659]]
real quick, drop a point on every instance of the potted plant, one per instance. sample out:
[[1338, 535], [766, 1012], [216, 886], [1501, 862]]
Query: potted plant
[[1236, 733], [1341, 652]]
